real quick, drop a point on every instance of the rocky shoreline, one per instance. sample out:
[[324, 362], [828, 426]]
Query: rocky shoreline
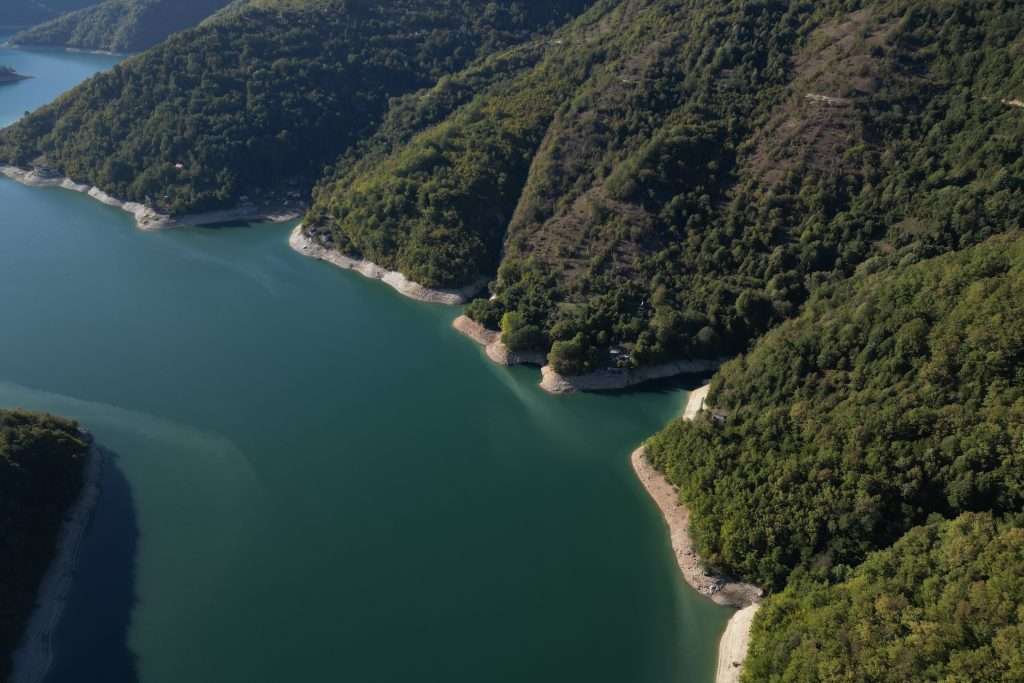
[[612, 379], [494, 347], [147, 218], [34, 656], [307, 247], [744, 596]]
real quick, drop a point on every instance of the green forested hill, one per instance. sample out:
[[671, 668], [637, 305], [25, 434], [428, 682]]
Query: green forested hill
[[266, 93], [678, 177], [41, 461], [894, 400], [892, 397], [943, 604], [120, 25], [671, 177], [26, 12]]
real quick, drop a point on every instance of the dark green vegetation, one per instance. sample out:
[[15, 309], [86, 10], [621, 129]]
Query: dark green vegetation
[[943, 604], [26, 12], [41, 466], [891, 397], [679, 177], [261, 97], [674, 178], [840, 180], [120, 25], [895, 398]]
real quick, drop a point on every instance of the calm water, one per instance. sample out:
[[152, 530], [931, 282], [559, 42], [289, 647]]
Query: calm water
[[314, 478]]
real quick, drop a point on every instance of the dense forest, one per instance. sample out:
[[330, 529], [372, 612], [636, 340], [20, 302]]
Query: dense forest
[[832, 191], [670, 178], [676, 178], [943, 604], [16, 13], [893, 396], [895, 399], [119, 25], [41, 468], [261, 97]]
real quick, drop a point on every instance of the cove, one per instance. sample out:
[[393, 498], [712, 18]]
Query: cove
[[314, 478]]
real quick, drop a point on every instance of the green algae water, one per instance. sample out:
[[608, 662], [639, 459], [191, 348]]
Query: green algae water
[[313, 478]]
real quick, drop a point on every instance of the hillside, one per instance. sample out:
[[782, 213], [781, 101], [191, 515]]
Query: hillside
[[260, 98], [892, 397], [943, 604], [676, 178], [119, 25], [41, 460], [16, 13], [661, 178]]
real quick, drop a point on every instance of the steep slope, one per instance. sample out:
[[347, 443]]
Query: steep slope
[[892, 397], [697, 171], [16, 13], [435, 206], [943, 604], [119, 25], [41, 461], [260, 98]]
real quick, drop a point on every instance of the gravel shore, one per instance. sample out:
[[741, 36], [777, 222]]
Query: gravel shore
[[307, 247], [732, 648]]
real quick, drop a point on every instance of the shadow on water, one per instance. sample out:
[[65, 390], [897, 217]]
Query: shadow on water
[[669, 385], [92, 638]]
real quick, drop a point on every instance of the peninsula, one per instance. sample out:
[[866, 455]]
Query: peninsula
[[9, 75], [45, 467]]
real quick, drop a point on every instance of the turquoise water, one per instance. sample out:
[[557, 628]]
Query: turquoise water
[[314, 478]]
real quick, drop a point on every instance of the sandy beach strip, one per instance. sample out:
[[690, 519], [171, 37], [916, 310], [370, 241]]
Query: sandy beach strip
[[735, 641], [34, 657], [732, 648], [397, 281]]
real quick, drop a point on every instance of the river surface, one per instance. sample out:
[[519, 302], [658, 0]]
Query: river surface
[[316, 479]]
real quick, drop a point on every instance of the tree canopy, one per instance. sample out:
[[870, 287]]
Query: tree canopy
[[119, 25], [943, 604], [893, 396]]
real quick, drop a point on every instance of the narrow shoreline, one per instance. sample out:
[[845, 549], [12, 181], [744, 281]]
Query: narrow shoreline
[[615, 379], [397, 281], [610, 379], [147, 218], [493, 346], [33, 658], [732, 649]]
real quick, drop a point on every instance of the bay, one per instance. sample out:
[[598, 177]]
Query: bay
[[314, 478]]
